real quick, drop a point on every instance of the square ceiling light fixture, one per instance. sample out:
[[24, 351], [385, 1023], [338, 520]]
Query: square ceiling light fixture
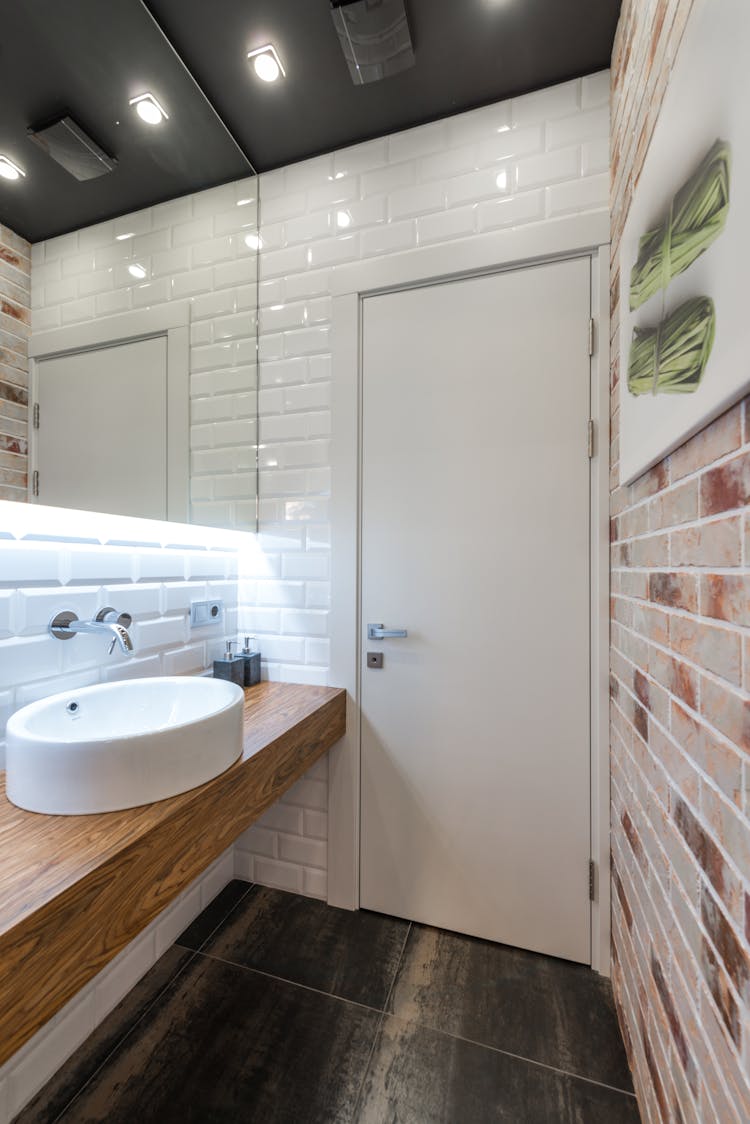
[[266, 63], [374, 36], [148, 109]]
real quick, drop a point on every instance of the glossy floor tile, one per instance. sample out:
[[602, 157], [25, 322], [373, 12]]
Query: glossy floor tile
[[227, 1045], [47, 1106], [353, 955], [418, 1075], [250, 1017], [547, 1010]]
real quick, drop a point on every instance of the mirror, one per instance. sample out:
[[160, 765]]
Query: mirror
[[141, 360]]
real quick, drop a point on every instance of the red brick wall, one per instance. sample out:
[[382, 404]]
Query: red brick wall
[[15, 318], [680, 729]]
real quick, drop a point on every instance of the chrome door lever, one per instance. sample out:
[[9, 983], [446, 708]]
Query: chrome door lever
[[377, 632]]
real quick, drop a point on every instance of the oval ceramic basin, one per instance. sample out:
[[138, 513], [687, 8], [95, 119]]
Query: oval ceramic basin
[[118, 745]]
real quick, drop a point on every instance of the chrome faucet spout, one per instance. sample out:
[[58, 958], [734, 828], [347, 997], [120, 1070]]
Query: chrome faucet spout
[[66, 625], [118, 632]]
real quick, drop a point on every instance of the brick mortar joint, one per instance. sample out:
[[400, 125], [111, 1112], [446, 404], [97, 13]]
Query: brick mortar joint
[[671, 784], [672, 610], [690, 477], [711, 676]]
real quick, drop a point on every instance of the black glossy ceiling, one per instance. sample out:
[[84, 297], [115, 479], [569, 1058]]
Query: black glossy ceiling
[[88, 57]]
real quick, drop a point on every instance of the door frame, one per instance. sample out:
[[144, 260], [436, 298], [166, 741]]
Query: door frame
[[173, 323], [575, 236]]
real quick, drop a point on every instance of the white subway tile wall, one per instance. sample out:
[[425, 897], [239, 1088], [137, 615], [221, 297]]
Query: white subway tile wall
[[202, 249], [109, 562], [502, 166], [31, 1067], [518, 162]]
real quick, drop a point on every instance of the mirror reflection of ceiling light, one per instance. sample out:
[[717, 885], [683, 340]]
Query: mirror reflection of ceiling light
[[137, 271], [9, 170], [267, 63], [149, 109], [343, 219], [501, 179], [253, 241]]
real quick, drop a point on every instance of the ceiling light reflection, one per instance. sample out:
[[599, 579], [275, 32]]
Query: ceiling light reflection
[[9, 170]]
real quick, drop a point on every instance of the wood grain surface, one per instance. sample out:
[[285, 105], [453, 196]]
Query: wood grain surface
[[74, 890]]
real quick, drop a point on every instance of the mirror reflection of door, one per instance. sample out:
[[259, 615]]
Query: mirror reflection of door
[[101, 444]]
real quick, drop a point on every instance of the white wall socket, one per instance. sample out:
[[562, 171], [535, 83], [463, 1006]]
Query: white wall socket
[[206, 612]]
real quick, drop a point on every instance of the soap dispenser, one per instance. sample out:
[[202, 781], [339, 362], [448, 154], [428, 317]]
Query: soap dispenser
[[230, 668], [250, 657]]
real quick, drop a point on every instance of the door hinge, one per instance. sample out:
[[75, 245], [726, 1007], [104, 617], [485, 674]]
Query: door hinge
[[592, 880], [35, 416], [35, 482], [591, 437], [591, 336]]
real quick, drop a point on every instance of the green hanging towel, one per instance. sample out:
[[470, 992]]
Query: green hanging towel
[[697, 216], [671, 358]]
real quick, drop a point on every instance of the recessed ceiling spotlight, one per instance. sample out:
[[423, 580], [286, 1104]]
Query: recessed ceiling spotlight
[[137, 271], [343, 219], [267, 63], [253, 241], [149, 109], [9, 170]]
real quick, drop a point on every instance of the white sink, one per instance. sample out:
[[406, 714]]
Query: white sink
[[118, 745]]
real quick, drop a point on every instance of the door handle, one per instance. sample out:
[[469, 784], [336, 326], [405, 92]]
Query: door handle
[[377, 632]]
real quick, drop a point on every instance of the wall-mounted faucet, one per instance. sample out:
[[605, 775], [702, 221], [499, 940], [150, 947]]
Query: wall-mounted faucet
[[65, 625]]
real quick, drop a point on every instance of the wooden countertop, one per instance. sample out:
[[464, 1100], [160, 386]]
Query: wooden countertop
[[74, 890]]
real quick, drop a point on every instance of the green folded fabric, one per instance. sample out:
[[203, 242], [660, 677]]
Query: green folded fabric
[[671, 358], [697, 216]]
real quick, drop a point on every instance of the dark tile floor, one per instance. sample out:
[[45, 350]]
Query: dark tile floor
[[276, 1009]]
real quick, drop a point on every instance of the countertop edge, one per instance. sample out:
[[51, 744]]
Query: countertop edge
[[56, 947]]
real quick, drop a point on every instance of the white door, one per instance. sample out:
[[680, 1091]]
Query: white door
[[102, 438], [475, 539]]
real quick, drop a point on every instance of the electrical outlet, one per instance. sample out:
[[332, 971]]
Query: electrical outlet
[[204, 613]]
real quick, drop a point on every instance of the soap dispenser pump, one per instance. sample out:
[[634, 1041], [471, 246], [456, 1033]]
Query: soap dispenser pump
[[230, 668], [250, 657]]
